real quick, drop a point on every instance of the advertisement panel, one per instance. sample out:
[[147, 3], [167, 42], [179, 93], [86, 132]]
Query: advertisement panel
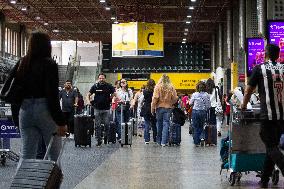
[[276, 36], [255, 53], [124, 39], [183, 80]]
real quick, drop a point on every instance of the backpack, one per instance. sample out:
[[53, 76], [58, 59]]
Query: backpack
[[178, 116]]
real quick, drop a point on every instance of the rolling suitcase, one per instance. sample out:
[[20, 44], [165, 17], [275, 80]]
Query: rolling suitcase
[[210, 134], [134, 121], [112, 129], [83, 128], [175, 134], [39, 174], [126, 131]]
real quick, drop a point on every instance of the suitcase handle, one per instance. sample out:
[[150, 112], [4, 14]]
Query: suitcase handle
[[49, 147]]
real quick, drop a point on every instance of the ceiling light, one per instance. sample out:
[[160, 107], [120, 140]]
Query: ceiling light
[[24, 8], [112, 18], [184, 39], [183, 42], [13, 1], [102, 1], [188, 22], [45, 24], [107, 8], [55, 30], [191, 7], [186, 29], [188, 16], [185, 33], [116, 22], [193, 0], [37, 18]]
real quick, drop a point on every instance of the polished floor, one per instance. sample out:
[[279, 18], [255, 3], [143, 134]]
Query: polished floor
[[142, 166]]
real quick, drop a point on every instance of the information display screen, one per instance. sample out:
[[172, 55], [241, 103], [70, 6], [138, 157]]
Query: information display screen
[[276, 36], [256, 53]]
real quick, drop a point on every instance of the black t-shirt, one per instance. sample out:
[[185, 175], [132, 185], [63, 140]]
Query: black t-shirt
[[68, 100], [102, 93], [269, 79]]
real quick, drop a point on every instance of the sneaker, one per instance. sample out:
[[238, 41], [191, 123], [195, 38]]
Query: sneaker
[[219, 134], [163, 145], [105, 140], [99, 143], [119, 141], [146, 142], [71, 136]]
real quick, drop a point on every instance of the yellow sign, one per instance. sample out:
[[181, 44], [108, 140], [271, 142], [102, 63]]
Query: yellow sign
[[150, 36], [234, 75], [136, 84], [183, 80], [124, 38]]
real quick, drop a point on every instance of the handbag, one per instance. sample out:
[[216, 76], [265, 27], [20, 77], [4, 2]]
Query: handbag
[[12, 89], [218, 109]]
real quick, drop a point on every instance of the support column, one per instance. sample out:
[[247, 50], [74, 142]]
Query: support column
[[220, 46], [213, 52], [2, 33], [262, 16], [229, 36], [242, 24]]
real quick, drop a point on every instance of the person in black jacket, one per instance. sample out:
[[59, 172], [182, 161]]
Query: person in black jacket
[[150, 120], [40, 114]]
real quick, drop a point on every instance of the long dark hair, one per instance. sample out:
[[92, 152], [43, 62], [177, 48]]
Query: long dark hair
[[39, 46], [150, 85], [210, 85]]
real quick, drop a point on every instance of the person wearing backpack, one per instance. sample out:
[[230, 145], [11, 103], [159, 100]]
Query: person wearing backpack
[[101, 103]]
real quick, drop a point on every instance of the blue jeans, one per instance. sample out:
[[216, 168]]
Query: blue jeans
[[198, 120], [150, 121], [126, 116], [36, 124], [163, 123]]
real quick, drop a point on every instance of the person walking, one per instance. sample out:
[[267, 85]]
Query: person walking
[[164, 97], [40, 115], [268, 77], [200, 100], [102, 92], [69, 99]]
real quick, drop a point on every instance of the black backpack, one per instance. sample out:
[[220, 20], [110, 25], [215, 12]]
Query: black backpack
[[178, 116]]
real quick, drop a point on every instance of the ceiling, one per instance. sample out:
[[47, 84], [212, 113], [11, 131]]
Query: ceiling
[[88, 20]]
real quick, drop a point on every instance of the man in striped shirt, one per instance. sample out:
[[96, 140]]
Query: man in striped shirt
[[269, 79]]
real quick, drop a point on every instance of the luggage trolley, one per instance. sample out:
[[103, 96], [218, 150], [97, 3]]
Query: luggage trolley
[[7, 131], [246, 149]]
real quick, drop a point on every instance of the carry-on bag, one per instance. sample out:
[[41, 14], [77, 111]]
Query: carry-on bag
[[112, 129], [174, 134], [134, 122], [83, 128], [210, 134], [39, 174], [126, 130]]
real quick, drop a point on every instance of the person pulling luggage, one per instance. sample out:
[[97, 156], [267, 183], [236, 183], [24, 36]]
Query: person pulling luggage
[[103, 92]]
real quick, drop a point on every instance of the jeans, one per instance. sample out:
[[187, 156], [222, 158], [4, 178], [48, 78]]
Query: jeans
[[198, 120], [36, 124], [150, 121], [163, 124], [126, 116], [270, 134], [101, 117]]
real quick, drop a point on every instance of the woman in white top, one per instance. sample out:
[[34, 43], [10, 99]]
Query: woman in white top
[[216, 110]]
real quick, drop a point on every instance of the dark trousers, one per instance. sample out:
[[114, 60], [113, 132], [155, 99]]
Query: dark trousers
[[69, 116], [270, 134]]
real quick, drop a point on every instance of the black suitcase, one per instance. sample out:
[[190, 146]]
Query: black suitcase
[[174, 134], [112, 129], [83, 128], [39, 174]]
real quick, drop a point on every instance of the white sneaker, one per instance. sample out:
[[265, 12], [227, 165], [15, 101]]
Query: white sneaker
[[71, 136], [163, 145], [146, 142]]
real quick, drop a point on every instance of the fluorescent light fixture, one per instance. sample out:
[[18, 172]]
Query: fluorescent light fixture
[[112, 18], [183, 42], [116, 22], [193, 0], [24, 8], [55, 30], [102, 1], [37, 18], [107, 8], [184, 39], [191, 7], [185, 33], [13, 1], [188, 16], [45, 24], [186, 29], [188, 22]]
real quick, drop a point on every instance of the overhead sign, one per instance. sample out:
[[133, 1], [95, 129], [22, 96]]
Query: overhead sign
[[137, 39], [256, 53]]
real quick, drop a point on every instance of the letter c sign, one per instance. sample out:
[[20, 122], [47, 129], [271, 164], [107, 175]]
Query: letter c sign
[[148, 39]]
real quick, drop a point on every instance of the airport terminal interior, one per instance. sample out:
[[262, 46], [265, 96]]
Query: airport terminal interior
[[134, 41]]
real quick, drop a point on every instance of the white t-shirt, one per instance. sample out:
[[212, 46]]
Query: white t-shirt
[[125, 96]]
